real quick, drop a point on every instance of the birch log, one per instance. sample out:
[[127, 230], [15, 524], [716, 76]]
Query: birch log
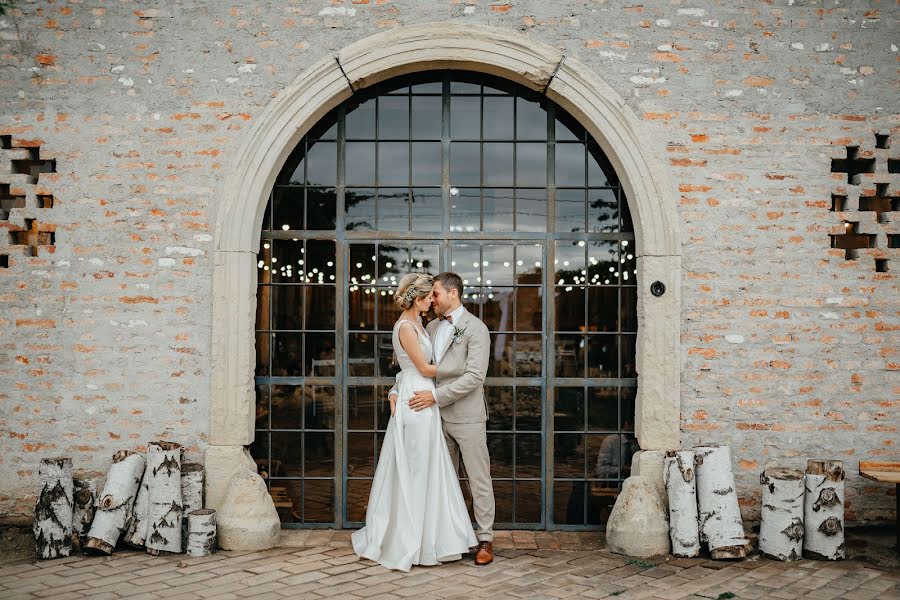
[[85, 495], [136, 533], [681, 486], [114, 508], [781, 529], [53, 511], [823, 510], [164, 515], [191, 495], [201, 532], [720, 526]]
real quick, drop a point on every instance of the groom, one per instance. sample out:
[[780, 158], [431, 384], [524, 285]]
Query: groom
[[462, 346]]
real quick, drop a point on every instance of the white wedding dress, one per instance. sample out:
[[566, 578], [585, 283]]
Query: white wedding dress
[[416, 513]]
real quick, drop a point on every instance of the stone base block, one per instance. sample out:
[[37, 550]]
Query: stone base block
[[221, 462], [637, 525], [247, 519], [648, 464]]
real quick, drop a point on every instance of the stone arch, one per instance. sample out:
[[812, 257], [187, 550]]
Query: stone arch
[[332, 80]]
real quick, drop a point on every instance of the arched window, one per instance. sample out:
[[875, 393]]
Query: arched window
[[464, 172]]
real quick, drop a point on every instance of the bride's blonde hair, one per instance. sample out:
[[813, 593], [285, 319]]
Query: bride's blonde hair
[[412, 286]]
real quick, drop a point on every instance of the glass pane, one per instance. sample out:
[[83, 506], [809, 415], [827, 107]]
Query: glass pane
[[569, 261], [497, 311], [392, 260], [294, 170], [287, 205], [529, 309], [500, 449], [465, 209], [601, 498], [321, 206], [263, 352], [628, 263], [361, 354], [360, 122], [359, 167], [603, 266], [259, 450], [528, 409], [426, 209], [393, 118], [568, 502], [627, 344], [531, 164], [529, 263], [465, 163], [321, 161], [528, 502], [569, 409], [629, 309], [603, 211], [425, 257], [627, 224], [498, 118], [567, 128], [263, 409], [360, 454], [603, 409], [531, 120], [464, 87], [288, 499], [608, 453], [393, 209], [503, 497], [393, 163], [431, 87], [528, 455], [362, 308], [318, 501], [320, 257], [357, 499], [318, 407], [568, 453], [570, 210], [529, 355], [531, 210], [498, 163], [286, 253], [287, 456], [570, 165], [465, 261], [320, 358], [603, 356], [500, 404], [569, 308], [320, 307], [426, 117], [426, 163], [600, 172], [465, 117], [497, 263], [287, 360], [498, 209], [361, 407], [387, 362], [570, 354], [359, 206], [603, 309], [500, 360], [287, 407], [626, 410], [382, 406], [287, 306]]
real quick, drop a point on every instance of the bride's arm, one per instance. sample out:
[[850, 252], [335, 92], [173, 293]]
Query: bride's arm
[[410, 342]]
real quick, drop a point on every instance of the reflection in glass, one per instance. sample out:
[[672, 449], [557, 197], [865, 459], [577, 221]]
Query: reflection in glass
[[531, 120], [361, 360], [393, 118], [603, 409], [321, 163], [465, 209], [287, 307], [531, 210], [359, 205], [426, 117], [360, 454], [465, 117], [570, 208], [393, 163], [318, 407], [569, 262], [570, 309], [318, 500], [529, 309], [393, 209], [426, 209], [287, 204], [465, 163], [285, 408], [319, 354], [570, 354], [568, 455], [287, 357], [531, 164], [359, 165], [360, 121], [498, 163], [498, 118], [426, 163], [287, 455], [320, 307], [321, 205], [498, 209], [570, 165], [529, 355], [500, 403], [603, 309], [603, 356], [603, 211]]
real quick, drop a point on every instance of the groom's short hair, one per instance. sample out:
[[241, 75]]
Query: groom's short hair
[[450, 281]]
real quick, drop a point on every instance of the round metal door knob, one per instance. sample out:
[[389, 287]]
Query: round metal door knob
[[657, 288]]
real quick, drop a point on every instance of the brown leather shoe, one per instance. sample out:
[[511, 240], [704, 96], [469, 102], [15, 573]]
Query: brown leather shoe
[[485, 554]]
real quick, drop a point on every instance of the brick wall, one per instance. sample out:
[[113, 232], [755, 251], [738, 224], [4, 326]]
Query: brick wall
[[789, 349]]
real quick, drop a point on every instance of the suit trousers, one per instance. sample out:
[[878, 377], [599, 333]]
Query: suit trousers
[[470, 440]]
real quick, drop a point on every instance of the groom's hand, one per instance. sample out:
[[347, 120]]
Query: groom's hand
[[421, 400]]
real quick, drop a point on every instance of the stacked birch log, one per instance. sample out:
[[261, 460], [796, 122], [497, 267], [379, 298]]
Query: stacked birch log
[[142, 504]]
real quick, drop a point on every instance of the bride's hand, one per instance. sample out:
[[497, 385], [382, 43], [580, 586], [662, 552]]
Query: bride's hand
[[393, 404]]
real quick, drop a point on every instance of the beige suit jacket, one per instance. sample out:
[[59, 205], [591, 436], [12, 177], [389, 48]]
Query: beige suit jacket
[[461, 372]]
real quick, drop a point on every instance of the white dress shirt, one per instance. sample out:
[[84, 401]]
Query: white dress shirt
[[445, 332]]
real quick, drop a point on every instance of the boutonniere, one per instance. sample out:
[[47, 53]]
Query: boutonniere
[[457, 334]]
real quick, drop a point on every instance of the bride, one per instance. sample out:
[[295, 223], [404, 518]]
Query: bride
[[416, 513]]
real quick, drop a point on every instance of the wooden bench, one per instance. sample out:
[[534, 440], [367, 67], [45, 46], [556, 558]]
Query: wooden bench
[[885, 472]]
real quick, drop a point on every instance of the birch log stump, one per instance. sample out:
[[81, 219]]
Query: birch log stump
[[823, 510], [201, 538], [114, 508], [164, 516], [681, 485], [84, 497], [721, 526], [136, 534], [781, 529], [53, 511], [191, 495]]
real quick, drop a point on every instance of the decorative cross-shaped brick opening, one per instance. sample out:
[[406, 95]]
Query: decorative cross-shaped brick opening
[[893, 240], [838, 203], [852, 240], [34, 165], [4, 261], [9, 201], [881, 265], [894, 165], [853, 165], [5, 142], [880, 203], [882, 141], [35, 235]]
